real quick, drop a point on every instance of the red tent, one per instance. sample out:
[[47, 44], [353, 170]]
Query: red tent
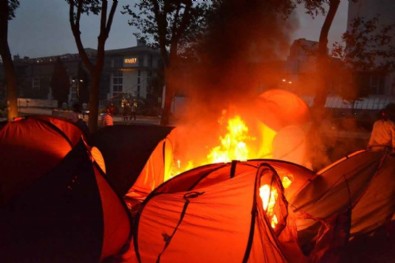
[[128, 149], [55, 203], [215, 213]]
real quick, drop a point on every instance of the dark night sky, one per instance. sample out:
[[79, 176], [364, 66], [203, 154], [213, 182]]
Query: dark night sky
[[41, 28]]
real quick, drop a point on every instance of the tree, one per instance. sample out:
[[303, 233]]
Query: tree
[[95, 68], [7, 9], [314, 8], [366, 48], [243, 41], [168, 25], [60, 83]]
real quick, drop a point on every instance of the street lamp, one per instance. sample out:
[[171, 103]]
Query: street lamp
[[76, 85]]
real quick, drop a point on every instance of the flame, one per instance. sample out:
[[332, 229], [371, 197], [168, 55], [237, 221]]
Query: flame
[[238, 144], [269, 197], [286, 181], [233, 146]]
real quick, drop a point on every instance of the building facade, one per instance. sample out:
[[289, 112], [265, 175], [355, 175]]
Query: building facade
[[133, 72], [129, 72]]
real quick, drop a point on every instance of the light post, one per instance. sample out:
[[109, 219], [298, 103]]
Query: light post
[[76, 85]]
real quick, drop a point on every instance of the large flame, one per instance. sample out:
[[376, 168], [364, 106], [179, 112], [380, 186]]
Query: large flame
[[274, 127], [234, 145], [237, 143]]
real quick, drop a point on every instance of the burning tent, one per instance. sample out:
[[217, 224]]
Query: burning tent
[[359, 187], [272, 126], [55, 203], [239, 211], [223, 212]]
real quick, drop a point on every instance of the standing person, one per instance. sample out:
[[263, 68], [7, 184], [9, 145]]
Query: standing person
[[133, 110], [383, 132], [78, 119], [107, 119], [126, 112]]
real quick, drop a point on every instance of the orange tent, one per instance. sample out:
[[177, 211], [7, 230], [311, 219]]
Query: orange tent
[[55, 203], [279, 108], [360, 186], [214, 213], [134, 151]]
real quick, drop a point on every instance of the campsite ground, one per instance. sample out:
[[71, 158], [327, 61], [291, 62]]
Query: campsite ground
[[118, 119]]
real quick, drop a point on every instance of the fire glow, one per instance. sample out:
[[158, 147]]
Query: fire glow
[[269, 197], [271, 127], [237, 143], [234, 145]]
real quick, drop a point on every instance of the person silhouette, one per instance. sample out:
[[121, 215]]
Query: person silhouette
[[382, 136]]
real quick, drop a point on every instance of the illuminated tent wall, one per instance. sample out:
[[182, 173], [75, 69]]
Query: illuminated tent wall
[[289, 116], [361, 183], [134, 151], [279, 108], [55, 204], [214, 213]]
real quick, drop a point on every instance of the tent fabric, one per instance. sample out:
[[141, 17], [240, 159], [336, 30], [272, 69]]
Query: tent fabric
[[126, 150], [214, 213], [24, 139], [299, 175], [279, 108], [156, 171], [361, 182], [56, 205]]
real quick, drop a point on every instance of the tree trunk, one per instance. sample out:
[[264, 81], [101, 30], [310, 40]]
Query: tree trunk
[[94, 101], [322, 58], [169, 94], [95, 85], [9, 69], [318, 147], [95, 70], [10, 77]]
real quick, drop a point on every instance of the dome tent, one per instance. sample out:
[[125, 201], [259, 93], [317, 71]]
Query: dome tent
[[55, 203], [360, 183], [214, 213]]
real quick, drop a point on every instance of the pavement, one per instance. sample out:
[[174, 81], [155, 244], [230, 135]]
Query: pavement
[[118, 119]]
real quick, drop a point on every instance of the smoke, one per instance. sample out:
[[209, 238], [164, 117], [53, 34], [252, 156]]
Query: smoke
[[239, 57]]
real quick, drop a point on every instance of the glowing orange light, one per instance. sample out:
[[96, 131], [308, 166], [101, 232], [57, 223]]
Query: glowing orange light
[[286, 181], [233, 146], [269, 197]]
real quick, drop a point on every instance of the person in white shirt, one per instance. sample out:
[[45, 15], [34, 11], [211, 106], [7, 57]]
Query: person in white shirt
[[382, 136]]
